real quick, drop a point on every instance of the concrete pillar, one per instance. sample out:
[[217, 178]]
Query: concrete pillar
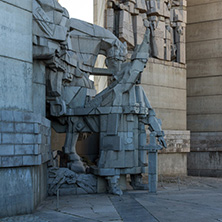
[[24, 131], [204, 80]]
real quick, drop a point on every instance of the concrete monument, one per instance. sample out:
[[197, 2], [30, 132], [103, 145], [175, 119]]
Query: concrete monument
[[69, 48]]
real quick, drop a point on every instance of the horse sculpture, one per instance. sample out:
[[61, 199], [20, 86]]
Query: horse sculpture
[[69, 49]]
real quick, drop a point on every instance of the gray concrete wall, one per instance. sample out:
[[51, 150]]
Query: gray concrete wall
[[16, 55], [22, 189], [24, 131], [204, 80]]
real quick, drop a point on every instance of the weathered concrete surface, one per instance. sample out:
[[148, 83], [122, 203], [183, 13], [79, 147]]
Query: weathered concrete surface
[[204, 38], [177, 117], [178, 200], [172, 164], [15, 82], [205, 86], [205, 163], [22, 189], [203, 12], [205, 104], [16, 32]]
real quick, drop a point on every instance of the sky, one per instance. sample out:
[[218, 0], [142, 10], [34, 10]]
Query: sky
[[80, 9]]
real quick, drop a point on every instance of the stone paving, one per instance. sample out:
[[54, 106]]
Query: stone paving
[[178, 199]]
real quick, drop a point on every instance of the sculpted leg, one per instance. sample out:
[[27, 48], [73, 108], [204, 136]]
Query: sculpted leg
[[113, 185], [136, 182], [75, 164]]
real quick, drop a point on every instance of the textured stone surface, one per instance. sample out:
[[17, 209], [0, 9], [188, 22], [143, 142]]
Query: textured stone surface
[[20, 134], [16, 26], [21, 189], [204, 87], [18, 76]]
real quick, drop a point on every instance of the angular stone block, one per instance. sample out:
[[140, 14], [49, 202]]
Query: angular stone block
[[6, 127], [201, 13], [204, 31], [24, 4], [168, 75], [209, 86], [6, 150], [166, 98], [204, 122], [206, 67], [16, 26], [11, 161], [18, 76], [7, 115], [39, 98], [172, 164], [204, 50], [39, 72], [28, 138], [204, 105], [24, 127], [31, 160], [10, 138], [24, 149], [30, 184], [172, 119]]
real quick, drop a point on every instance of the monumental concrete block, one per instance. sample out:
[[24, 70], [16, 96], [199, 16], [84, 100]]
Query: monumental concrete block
[[165, 97], [6, 150], [6, 127], [201, 13], [24, 127], [18, 76], [204, 50], [172, 119], [22, 189], [204, 122], [10, 138], [168, 76], [206, 141], [205, 164], [172, 164], [11, 161], [204, 86], [204, 31], [24, 4], [204, 104], [24, 149], [39, 72], [39, 98], [199, 2], [206, 67], [16, 32]]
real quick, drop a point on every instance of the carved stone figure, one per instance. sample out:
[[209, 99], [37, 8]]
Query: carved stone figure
[[124, 19], [69, 48]]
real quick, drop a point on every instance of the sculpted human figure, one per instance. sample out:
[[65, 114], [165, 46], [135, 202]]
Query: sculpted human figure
[[68, 48], [122, 132]]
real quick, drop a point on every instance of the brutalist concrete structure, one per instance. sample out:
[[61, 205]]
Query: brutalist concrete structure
[[204, 92], [164, 78], [24, 130]]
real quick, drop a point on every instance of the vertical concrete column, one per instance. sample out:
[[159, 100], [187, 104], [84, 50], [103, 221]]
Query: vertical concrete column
[[204, 80], [24, 131]]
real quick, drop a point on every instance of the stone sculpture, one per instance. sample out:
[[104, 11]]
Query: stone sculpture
[[65, 179], [166, 17], [69, 48]]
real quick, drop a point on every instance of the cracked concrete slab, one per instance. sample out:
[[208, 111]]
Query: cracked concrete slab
[[185, 199]]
